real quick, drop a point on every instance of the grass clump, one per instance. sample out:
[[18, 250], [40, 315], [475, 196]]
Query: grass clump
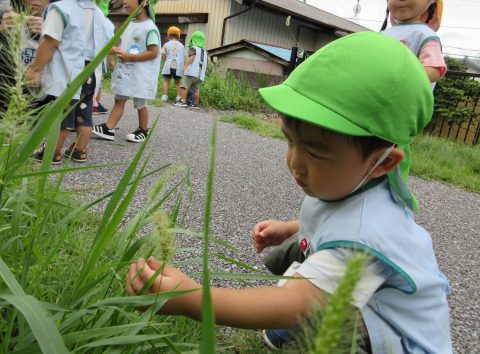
[[261, 127], [448, 161]]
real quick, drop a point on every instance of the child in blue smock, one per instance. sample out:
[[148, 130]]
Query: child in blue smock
[[173, 56], [194, 70], [69, 42], [345, 111], [136, 72]]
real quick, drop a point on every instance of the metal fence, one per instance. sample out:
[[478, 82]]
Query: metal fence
[[457, 108]]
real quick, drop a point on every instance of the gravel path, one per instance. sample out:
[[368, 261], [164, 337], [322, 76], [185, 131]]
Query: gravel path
[[252, 184]]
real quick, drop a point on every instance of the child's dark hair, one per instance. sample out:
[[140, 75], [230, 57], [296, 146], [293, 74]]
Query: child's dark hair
[[366, 144], [431, 11]]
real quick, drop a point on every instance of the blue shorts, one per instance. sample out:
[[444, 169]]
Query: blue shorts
[[173, 73], [81, 115]]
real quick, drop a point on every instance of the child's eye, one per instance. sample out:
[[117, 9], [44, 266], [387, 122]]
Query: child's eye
[[314, 155]]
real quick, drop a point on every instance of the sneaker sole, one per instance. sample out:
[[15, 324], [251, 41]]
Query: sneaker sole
[[102, 136], [267, 341], [51, 163], [70, 158], [95, 113], [135, 141]]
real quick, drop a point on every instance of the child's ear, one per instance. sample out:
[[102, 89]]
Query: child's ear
[[391, 161]]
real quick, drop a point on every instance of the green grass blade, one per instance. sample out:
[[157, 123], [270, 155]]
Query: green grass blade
[[238, 263], [64, 170], [74, 213], [80, 336], [110, 218], [126, 340], [207, 344], [40, 322], [10, 280]]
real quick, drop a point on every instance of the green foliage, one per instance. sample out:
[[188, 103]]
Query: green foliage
[[455, 96], [448, 161], [226, 92], [261, 127]]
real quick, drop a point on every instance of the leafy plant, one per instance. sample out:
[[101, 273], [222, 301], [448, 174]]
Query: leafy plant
[[455, 96]]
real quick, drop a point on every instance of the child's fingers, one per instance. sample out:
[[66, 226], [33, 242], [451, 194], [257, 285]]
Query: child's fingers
[[130, 290], [134, 281]]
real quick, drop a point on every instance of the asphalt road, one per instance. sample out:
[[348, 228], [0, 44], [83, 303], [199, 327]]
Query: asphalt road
[[252, 184]]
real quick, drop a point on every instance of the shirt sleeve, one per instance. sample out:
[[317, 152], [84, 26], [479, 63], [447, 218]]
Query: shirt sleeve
[[431, 55], [325, 269], [152, 38], [53, 25]]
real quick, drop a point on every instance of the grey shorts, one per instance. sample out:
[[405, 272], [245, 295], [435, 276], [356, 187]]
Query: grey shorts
[[191, 83], [138, 103]]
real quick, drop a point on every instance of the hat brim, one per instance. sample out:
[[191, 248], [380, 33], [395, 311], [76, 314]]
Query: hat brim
[[285, 100]]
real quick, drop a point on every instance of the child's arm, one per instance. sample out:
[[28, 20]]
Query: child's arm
[[273, 232], [45, 52], [263, 307], [432, 60], [149, 54], [434, 74], [189, 61], [164, 54]]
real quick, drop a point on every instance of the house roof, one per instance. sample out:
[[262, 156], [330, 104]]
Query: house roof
[[274, 53], [472, 63], [309, 13]]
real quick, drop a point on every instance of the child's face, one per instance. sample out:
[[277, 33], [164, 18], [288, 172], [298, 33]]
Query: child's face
[[408, 10], [38, 6], [130, 5], [323, 163]]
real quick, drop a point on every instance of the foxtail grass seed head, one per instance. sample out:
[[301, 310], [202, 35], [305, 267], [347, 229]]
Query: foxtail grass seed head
[[12, 60], [164, 236]]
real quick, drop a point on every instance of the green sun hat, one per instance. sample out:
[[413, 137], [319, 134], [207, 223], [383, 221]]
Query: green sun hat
[[364, 84], [197, 39]]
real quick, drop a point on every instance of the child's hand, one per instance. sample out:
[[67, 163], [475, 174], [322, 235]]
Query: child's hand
[[33, 77], [35, 24], [123, 55], [271, 233], [9, 20], [111, 64], [171, 278]]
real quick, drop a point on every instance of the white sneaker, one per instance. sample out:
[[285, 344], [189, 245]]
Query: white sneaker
[[177, 98], [164, 98]]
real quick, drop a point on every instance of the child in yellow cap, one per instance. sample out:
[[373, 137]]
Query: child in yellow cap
[[345, 110], [173, 56]]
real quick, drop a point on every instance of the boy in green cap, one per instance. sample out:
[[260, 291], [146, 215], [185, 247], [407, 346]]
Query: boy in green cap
[[194, 70], [345, 110]]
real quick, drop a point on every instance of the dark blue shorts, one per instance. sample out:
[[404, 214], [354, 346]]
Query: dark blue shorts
[[173, 73], [81, 115]]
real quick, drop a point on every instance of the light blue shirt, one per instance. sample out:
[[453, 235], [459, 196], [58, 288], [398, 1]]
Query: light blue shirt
[[137, 79], [409, 312], [69, 58]]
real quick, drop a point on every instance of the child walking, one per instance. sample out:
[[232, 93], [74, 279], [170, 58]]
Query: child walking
[[194, 70], [69, 43], [345, 110], [415, 24], [136, 73], [173, 55]]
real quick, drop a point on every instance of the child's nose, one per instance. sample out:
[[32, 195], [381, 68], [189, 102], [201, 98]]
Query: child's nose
[[297, 161]]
